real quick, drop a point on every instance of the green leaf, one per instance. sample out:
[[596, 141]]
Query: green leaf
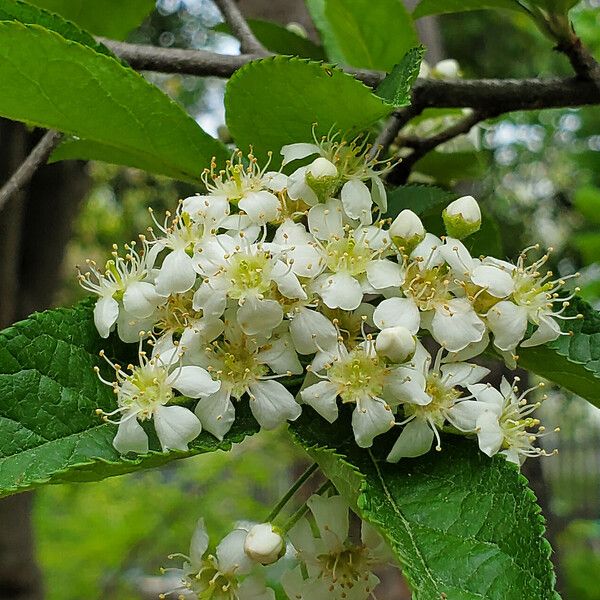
[[463, 526], [418, 198], [587, 202], [280, 40], [276, 101], [57, 83], [396, 87], [15, 10], [438, 7], [110, 18], [571, 361], [362, 33], [448, 167], [588, 245], [49, 432]]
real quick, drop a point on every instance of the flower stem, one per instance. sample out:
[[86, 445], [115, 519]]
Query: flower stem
[[304, 508], [286, 498]]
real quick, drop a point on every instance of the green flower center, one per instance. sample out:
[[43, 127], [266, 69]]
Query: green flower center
[[428, 287], [442, 397], [348, 255], [249, 273], [358, 376]]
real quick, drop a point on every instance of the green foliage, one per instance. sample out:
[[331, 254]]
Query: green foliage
[[361, 33], [571, 361], [418, 198], [16, 10], [48, 397], [449, 167], [277, 101], [587, 202], [94, 97], [396, 87], [280, 40], [110, 18], [436, 7], [456, 520]]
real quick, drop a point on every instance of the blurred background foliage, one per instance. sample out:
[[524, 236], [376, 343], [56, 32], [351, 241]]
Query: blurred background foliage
[[538, 176]]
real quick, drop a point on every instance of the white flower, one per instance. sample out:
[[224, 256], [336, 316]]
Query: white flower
[[147, 392], [300, 248], [264, 544], [126, 292], [431, 398], [446, 69], [219, 576], [362, 378], [532, 301], [242, 365], [462, 217], [315, 183], [336, 568], [506, 425]]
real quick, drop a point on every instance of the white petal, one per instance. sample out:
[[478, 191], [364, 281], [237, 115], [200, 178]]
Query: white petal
[[370, 418], [469, 351], [463, 415], [458, 257], [230, 553], [209, 210], [210, 301], [176, 427], [395, 312], [311, 330], [325, 220], [490, 434], [275, 181], [297, 151], [216, 413], [287, 282], [496, 281], [331, 516], [455, 325], [176, 275], [415, 440], [129, 328], [141, 299], [193, 382], [130, 437], [340, 290], [254, 588], [256, 315], [261, 206], [383, 274], [281, 356], [272, 404], [547, 331], [508, 323], [488, 395], [357, 202], [378, 193], [428, 252], [462, 374], [322, 397], [199, 544], [407, 385], [106, 313], [298, 189]]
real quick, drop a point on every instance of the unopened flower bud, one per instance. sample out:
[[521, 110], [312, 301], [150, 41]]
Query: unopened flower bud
[[322, 177], [407, 230], [396, 343], [447, 69], [264, 544], [462, 217]]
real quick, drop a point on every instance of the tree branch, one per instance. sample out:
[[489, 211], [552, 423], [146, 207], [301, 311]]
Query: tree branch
[[239, 26], [399, 174], [398, 119], [496, 95], [38, 157]]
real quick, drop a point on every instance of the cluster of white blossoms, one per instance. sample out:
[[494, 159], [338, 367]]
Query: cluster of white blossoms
[[268, 277], [323, 560]]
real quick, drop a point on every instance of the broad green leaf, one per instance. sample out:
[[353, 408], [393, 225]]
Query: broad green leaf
[[437, 7], [571, 361], [396, 87], [418, 198], [587, 202], [57, 83], [448, 167], [277, 101], [280, 40], [110, 18], [49, 432], [16, 10], [362, 33], [463, 526]]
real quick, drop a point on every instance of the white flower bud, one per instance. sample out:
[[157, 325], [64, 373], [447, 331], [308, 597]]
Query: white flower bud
[[322, 178], [447, 69], [462, 217], [396, 343], [407, 230], [264, 544], [321, 167]]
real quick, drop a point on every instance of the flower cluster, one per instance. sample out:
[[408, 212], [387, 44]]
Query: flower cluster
[[326, 563], [269, 276]]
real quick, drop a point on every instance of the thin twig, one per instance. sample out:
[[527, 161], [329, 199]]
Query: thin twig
[[399, 174], [240, 28], [38, 157], [397, 120], [497, 95]]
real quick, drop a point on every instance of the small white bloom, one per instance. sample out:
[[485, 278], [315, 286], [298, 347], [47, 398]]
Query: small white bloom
[[396, 343], [462, 217], [264, 544], [407, 230]]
